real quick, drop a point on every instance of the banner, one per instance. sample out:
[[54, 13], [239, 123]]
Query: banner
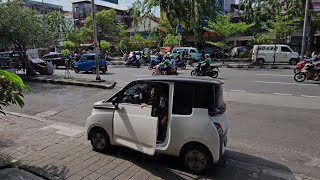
[[316, 5]]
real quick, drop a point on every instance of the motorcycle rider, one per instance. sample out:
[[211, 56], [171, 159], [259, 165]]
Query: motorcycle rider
[[165, 64], [205, 64], [134, 58], [173, 63]]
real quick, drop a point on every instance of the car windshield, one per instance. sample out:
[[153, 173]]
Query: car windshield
[[90, 57]]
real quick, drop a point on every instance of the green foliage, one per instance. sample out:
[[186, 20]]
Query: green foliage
[[260, 39], [104, 45], [137, 42], [171, 40], [66, 52], [54, 24], [69, 45], [220, 44], [11, 87], [225, 28], [283, 26], [18, 26]]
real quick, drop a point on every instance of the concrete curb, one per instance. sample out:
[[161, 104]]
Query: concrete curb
[[77, 83]]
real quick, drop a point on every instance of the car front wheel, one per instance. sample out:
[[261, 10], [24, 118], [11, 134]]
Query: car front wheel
[[100, 140]]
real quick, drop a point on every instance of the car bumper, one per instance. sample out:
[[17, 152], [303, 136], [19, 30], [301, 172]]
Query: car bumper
[[223, 144]]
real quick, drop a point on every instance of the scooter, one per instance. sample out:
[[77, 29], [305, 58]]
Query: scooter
[[212, 71], [307, 73], [168, 71], [300, 65], [135, 63]]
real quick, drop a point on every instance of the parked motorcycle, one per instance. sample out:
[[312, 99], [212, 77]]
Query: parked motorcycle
[[300, 65], [130, 63], [307, 73], [212, 71]]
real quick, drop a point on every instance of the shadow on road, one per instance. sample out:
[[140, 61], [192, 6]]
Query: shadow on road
[[168, 167]]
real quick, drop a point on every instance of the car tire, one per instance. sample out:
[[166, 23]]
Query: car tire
[[260, 61], [100, 140], [104, 71], [138, 66], [293, 62], [57, 66], [196, 158], [76, 70], [94, 71]]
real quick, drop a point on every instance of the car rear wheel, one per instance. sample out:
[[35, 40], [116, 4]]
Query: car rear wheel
[[260, 61], [293, 61], [196, 158], [100, 140], [104, 71]]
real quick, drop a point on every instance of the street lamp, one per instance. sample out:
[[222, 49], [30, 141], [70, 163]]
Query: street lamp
[[304, 37], [95, 40]]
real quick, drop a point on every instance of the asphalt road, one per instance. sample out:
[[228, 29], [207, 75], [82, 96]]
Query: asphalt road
[[279, 130], [269, 81]]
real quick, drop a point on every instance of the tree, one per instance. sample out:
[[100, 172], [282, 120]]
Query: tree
[[105, 46], [260, 39], [225, 28], [19, 27], [137, 41], [54, 25], [11, 88], [171, 40], [190, 13], [283, 26], [106, 25], [122, 38], [69, 45]]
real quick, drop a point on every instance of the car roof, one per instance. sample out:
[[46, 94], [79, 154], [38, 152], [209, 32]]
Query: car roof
[[90, 54], [181, 79]]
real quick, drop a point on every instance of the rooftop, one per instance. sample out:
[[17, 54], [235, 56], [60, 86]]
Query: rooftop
[[105, 4], [182, 79]]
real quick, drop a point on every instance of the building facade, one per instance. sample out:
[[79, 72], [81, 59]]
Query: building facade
[[144, 27], [82, 9], [41, 8]]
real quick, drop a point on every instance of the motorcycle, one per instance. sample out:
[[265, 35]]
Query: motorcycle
[[182, 64], [168, 71], [300, 65], [212, 71], [135, 63], [307, 73], [152, 65]]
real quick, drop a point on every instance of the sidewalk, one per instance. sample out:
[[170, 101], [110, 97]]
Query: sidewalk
[[60, 151], [58, 79]]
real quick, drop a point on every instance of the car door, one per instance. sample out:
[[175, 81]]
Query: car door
[[82, 63], [133, 126], [284, 54]]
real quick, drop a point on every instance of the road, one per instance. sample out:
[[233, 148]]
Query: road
[[273, 121]]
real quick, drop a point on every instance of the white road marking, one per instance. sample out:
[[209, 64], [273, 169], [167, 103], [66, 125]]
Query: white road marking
[[237, 91], [274, 75], [284, 83], [282, 94], [310, 96]]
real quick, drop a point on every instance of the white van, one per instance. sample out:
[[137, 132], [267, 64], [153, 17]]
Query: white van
[[282, 53], [179, 116]]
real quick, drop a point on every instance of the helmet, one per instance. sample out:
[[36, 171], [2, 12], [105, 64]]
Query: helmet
[[134, 53], [207, 55]]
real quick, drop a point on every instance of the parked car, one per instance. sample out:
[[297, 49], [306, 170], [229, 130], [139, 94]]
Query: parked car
[[193, 52], [280, 53], [216, 53], [57, 59], [87, 63], [236, 51], [195, 128]]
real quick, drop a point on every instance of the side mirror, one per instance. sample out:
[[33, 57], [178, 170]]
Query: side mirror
[[115, 102]]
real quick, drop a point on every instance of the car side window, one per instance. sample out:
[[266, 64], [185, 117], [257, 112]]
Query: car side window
[[136, 94], [285, 49], [182, 99], [192, 51], [83, 58], [202, 93]]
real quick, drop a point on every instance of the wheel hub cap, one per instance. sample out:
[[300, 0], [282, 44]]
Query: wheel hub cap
[[98, 141], [196, 160]]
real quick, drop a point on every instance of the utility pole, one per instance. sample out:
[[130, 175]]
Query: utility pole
[[304, 36], [95, 40]]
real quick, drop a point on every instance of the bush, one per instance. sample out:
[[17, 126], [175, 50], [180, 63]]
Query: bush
[[11, 87]]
